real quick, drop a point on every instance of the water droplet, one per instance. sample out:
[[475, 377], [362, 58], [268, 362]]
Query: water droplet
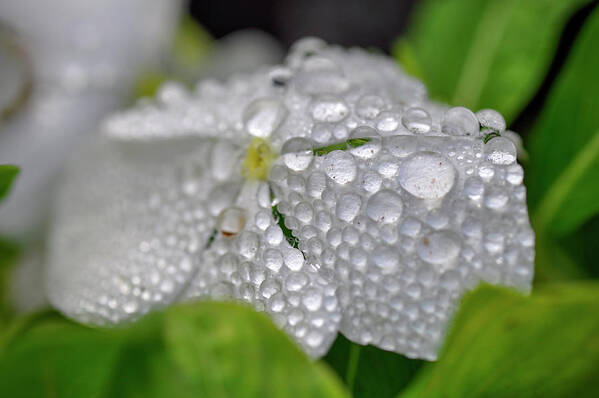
[[385, 207], [460, 121], [385, 257], [369, 106], [439, 247], [417, 120], [490, 119], [273, 235], [273, 259], [514, 174], [294, 259], [295, 281], [297, 153], [369, 149], [248, 244], [500, 150], [474, 188], [322, 132], [427, 175], [231, 221], [329, 109], [348, 206], [388, 121], [496, 199], [340, 167], [312, 299], [263, 116], [371, 181], [401, 145]]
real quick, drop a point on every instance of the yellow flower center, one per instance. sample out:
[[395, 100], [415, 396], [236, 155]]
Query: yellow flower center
[[258, 159]]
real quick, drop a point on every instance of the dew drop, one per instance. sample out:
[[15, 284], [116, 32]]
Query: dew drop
[[369, 106], [369, 149], [385, 257], [329, 109], [263, 116], [388, 121], [427, 175], [348, 207], [490, 119], [439, 247], [297, 153], [340, 167], [417, 120], [500, 150], [384, 207], [460, 121]]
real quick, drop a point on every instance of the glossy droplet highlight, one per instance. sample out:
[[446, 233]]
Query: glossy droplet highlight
[[417, 120], [231, 221], [460, 121], [439, 247], [500, 150], [329, 109], [263, 116], [340, 167], [384, 207], [297, 153], [427, 175]]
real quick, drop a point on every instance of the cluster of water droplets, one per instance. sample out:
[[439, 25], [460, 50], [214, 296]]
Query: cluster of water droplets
[[378, 211]]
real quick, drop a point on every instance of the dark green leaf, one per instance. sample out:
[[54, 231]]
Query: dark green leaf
[[563, 178], [7, 175], [369, 371], [230, 350], [503, 344], [484, 53]]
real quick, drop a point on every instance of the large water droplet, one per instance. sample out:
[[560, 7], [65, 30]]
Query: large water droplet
[[439, 247], [401, 145], [385, 207], [297, 153], [329, 109], [500, 150], [340, 167], [263, 116], [417, 120], [369, 106], [388, 121], [460, 121], [490, 119], [369, 149], [385, 257], [427, 175], [348, 207]]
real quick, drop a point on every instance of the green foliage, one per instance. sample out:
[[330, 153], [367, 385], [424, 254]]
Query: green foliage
[[194, 350], [8, 174], [503, 344], [484, 53], [369, 371], [562, 178]]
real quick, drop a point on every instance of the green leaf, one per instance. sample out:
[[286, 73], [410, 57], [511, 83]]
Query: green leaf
[[230, 350], [57, 359], [341, 146], [485, 53], [195, 350], [369, 371], [562, 180], [8, 174], [503, 344]]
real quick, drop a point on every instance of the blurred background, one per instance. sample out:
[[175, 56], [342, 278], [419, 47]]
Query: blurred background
[[67, 64]]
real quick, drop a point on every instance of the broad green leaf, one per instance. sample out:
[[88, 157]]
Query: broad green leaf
[[229, 350], [503, 344], [57, 359], [484, 53], [369, 371], [562, 180], [7, 176]]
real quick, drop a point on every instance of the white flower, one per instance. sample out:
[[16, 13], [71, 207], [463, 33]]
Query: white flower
[[328, 192]]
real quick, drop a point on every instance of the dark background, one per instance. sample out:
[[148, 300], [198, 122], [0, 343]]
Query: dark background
[[348, 22]]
